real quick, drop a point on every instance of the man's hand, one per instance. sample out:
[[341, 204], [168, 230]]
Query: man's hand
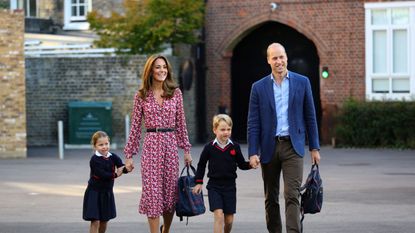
[[315, 156], [254, 161]]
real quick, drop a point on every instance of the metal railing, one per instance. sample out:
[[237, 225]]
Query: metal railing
[[75, 50]]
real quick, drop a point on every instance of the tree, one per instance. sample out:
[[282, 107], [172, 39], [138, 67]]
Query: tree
[[148, 25]]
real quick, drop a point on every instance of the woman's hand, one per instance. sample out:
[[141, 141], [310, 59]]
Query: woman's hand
[[129, 164], [187, 159]]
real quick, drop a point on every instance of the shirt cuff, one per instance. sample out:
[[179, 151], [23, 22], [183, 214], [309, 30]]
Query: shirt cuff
[[199, 181]]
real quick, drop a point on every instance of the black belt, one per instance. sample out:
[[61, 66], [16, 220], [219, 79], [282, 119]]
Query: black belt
[[161, 130], [282, 138]]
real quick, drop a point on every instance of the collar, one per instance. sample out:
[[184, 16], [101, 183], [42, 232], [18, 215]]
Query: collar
[[217, 142], [99, 154], [288, 76]]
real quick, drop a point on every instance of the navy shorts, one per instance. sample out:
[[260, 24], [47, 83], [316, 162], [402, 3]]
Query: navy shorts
[[222, 197]]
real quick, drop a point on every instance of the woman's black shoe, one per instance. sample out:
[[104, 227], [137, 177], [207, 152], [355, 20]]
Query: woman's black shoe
[[161, 228]]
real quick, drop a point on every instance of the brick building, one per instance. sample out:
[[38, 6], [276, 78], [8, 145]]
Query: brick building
[[368, 47], [52, 80], [12, 85]]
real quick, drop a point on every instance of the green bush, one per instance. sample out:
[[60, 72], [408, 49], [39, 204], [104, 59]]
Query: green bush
[[4, 5], [376, 124]]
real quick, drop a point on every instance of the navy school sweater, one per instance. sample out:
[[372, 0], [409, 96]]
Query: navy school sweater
[[103, 172], [222, 163]]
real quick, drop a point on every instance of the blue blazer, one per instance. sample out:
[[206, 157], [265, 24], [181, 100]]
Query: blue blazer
[[262, 117]]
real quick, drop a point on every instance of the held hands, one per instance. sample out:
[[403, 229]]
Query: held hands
[[197, 189], [129, 164], [254, 161], [187, 159], [119, 171]]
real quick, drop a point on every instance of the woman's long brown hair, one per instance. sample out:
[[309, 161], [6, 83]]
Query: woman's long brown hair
[[169, 85]]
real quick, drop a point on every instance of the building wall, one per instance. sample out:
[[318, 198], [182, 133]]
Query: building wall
[[51, 9], [335, 27], [105, 7], [54, 81], [54, 9], [12, 85]]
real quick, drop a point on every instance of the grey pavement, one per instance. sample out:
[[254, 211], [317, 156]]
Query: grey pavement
[[365, 191]]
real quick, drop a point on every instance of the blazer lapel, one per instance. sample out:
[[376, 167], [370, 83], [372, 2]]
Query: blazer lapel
[[291, 91], [269, 91]]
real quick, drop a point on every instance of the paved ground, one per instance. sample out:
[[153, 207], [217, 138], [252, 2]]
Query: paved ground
[[365, 191]]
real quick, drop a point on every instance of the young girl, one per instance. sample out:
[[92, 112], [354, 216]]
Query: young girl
[[223, 156], [99, 204]]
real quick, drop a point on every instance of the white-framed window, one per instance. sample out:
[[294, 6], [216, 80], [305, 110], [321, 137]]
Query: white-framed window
[[75, 12], [29, 7], [390, 50]]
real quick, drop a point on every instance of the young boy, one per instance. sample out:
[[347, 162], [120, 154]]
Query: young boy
[[223, 156]]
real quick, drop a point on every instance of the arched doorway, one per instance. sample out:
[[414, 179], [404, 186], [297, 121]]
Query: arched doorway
[[249, 64]]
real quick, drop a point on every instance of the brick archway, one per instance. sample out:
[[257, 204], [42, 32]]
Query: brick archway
[[336, 29], [225, 54], [248, 64], [227, 45]]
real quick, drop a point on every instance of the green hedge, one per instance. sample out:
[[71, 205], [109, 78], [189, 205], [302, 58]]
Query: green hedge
[[4, 4], [376, 124]]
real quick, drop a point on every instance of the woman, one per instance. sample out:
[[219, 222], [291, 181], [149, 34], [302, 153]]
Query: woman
[[159, 102]]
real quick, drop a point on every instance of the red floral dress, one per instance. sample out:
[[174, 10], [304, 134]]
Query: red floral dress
[[159, 157]]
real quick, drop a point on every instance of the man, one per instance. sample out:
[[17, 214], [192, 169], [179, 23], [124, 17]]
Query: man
[[281, 113]]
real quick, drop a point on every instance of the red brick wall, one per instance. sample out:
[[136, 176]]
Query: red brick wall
[[336, 28]]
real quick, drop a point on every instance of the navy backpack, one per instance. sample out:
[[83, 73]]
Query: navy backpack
[[188, 204], [311, 194]]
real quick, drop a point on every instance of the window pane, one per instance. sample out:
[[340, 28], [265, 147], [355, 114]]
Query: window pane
[[32, 8], [379, 17], [26, 8], [400, 16], [400, 51], [73, 1], [400, 85], [20, 4], [379, 51], [380, 85], [81, 1], [74, 13], [81, 11]]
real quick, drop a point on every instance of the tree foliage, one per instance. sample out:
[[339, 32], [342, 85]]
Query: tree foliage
[[146, 26]]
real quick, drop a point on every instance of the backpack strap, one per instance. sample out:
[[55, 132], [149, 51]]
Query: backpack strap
[[187, 170], [302, 188]]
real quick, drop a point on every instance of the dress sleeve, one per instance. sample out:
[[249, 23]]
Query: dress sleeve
[[181, 128], [133, 144]]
